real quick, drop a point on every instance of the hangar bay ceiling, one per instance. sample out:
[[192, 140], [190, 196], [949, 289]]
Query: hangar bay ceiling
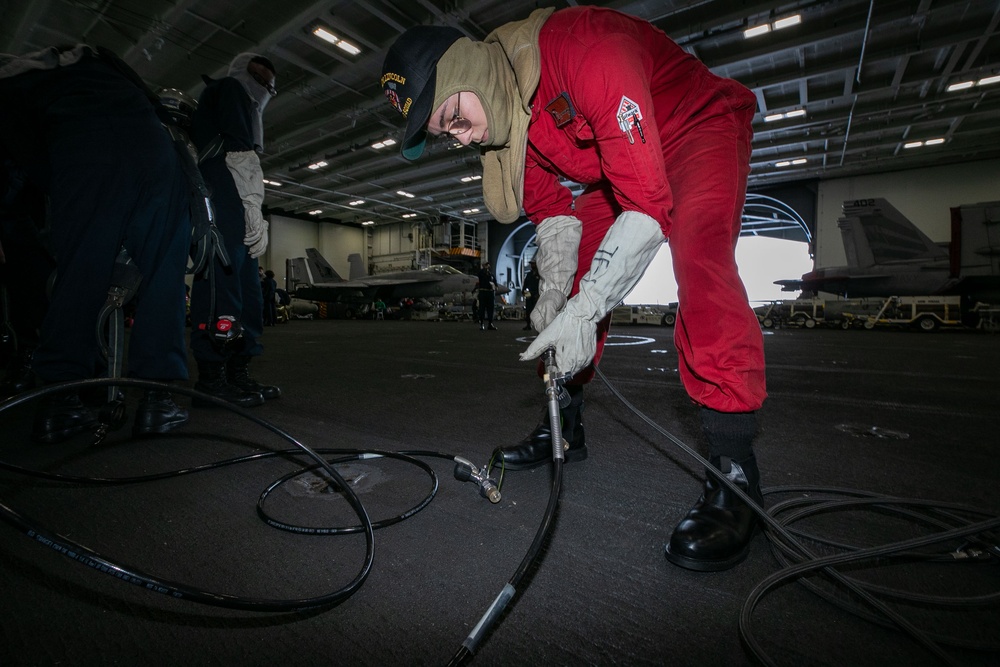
[[850, 87]]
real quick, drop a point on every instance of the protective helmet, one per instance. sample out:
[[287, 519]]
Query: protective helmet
[[178, 104]]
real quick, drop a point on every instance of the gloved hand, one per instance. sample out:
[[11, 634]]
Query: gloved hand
[[627, 249], [249, 180], [558, 241], [257, 245]]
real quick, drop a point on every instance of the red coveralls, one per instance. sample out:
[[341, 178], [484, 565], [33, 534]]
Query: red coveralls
[[685, 165]]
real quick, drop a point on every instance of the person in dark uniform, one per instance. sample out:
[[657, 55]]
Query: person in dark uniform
[[268, 289], [531, 289], [227, 130], [88, 136], [486, 291]]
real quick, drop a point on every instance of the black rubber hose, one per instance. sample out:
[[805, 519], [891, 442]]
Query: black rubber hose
[[135, 576], [510, 590]]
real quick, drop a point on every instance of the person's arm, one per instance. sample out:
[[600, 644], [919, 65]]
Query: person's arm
[[233, 118], [615, 99]]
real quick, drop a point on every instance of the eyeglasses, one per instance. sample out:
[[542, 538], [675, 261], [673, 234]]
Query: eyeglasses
[[459, 125], [264, 82]]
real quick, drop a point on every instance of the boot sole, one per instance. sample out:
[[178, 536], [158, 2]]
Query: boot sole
[[140, 431], [55, 437], [700, 565], [202, 403]]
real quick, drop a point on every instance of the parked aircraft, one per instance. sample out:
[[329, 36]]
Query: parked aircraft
[[314, 279], [888, 256]]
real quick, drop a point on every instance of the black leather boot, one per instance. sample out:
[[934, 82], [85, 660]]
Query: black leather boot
[[19, 376], [157, 413], [238, 374], [212, 381], [60, 417], [716, 533], [536, 449]]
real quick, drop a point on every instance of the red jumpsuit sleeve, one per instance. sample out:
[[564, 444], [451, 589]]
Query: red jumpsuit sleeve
[[544, 195], [611, 90]]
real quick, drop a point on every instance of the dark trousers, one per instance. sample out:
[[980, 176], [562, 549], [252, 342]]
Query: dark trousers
[[486, 304], [237, 289]]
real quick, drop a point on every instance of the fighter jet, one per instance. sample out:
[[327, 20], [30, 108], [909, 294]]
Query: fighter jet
[[314, 279], [888, 256]]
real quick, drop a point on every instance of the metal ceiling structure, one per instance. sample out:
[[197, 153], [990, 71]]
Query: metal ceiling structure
[[865, 77]]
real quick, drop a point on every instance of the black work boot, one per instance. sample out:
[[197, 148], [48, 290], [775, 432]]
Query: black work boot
[[716, 533], [212, 381], [60, 417], [19, 376], [157, 413], [238, 374], [536, 449]]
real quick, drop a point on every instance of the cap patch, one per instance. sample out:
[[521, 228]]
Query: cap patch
[[393, 98]]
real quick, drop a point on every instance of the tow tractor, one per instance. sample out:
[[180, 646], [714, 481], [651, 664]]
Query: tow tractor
[[664, 316], [925, 313]]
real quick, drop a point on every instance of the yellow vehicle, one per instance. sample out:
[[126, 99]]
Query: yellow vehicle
[[925, 313], [664, 316]]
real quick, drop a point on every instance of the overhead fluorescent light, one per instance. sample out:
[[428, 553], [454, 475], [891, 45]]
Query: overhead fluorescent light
[[367, 222], [794, 113], [274, 183], [471, 210], [384, 143], [409, 215], [337, 41], [356, 202], [928, 142], [317, 165], [788, 21], [403, 193], [468, 179], [800, 160], [988, 80], [960, 86], [316, 212], [765, 28], [757, 30]]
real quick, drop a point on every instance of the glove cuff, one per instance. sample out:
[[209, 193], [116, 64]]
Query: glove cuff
[[558, 241], [626, 250]]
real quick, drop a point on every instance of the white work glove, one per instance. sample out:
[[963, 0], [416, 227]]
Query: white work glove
[[558, 241], [249, 179], [627, 249]]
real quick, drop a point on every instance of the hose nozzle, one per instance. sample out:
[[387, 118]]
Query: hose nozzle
[[465, 471]]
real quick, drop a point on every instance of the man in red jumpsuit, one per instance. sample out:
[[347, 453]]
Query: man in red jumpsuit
[[597, 97]]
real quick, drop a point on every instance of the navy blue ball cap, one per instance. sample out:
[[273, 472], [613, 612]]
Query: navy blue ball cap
[[408, 78]]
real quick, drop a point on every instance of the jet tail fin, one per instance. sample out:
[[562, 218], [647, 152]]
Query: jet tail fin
[[875, 232], [358, 270], [308, 271], [320, 270]]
